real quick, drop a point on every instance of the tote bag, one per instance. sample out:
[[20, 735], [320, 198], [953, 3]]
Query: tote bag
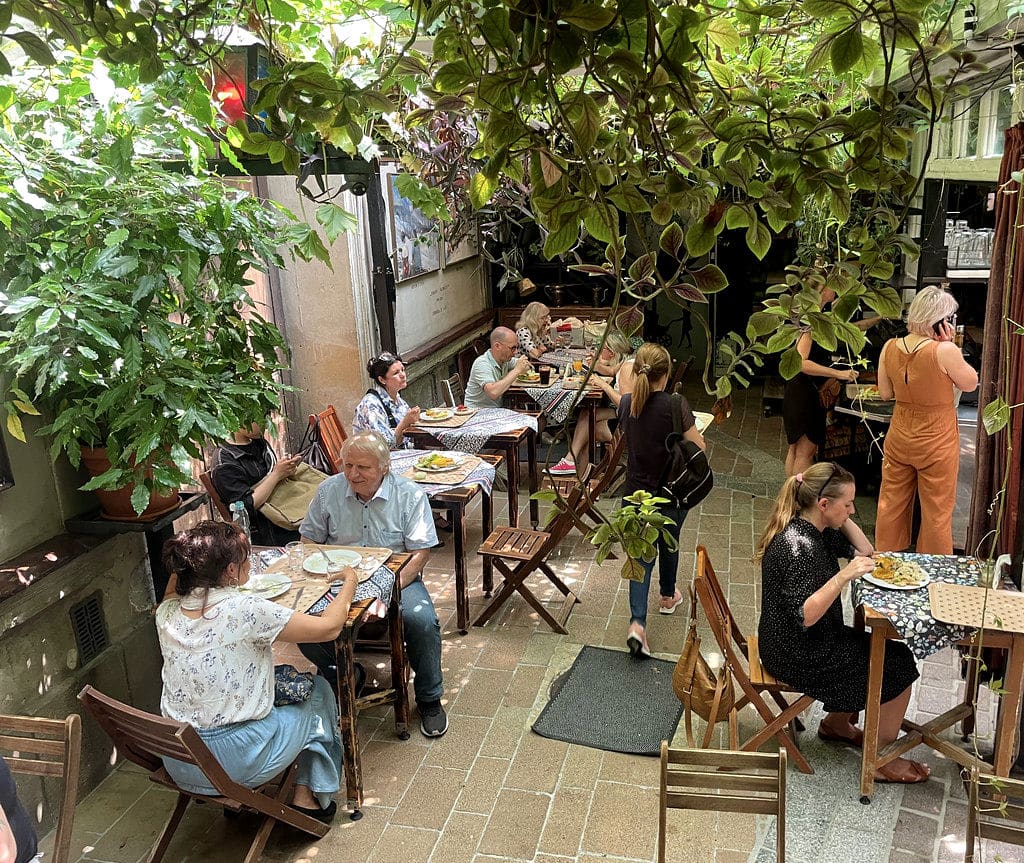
[[289, 501]]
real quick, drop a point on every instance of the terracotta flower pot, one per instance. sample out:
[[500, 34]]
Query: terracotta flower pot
[[117, 505]]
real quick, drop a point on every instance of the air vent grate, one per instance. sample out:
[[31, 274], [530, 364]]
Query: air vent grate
[[90, 628]]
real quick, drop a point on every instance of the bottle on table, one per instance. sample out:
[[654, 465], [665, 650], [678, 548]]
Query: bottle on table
[[240, 517]]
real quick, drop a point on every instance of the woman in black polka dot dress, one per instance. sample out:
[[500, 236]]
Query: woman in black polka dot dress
[[801, 635]]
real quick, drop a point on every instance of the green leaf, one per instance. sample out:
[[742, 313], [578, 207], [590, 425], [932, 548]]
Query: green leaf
[[140, 498], [671, 240], [598, 220], [996, 416], [481, 187], [560, 241], [101, 335], [47, 320], [709, 279], [701, 236], [335, 220], [759, 238], [14, 427], [588, 16], [846, 50], [790, 363], [588, 126], [632, 570], [33, 46], [20, 305]]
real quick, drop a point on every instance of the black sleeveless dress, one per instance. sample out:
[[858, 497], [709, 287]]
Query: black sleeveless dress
[[802, 413]]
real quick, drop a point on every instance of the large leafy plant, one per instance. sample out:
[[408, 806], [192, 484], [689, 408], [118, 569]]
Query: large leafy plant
[[124, 316]]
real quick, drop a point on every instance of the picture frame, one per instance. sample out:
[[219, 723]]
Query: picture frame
[[468, 246], [416, 240]]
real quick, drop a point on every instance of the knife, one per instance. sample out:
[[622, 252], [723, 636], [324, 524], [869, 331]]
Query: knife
[[298, 595]]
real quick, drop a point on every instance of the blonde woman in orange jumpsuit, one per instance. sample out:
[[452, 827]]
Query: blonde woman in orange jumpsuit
[[922, 446]]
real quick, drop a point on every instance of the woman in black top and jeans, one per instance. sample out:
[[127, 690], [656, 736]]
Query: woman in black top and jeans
[[645, 416]]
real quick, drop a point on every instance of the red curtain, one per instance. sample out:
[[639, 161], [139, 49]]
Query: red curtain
[[1002, 369]]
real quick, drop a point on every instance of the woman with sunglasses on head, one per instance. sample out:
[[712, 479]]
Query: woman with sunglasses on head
[[532, 331], [218, 672], [382, 409], [921, 454], [801, 635]]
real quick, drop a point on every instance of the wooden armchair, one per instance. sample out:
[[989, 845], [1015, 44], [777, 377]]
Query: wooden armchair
[[530, 549], [49, 748], [146, 739], [329, 431]]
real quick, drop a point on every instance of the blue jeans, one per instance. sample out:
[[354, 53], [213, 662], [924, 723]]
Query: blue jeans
[[422, 641], [668, 563]]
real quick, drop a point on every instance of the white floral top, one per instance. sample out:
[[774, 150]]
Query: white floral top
[[372, 415], [219, 668]]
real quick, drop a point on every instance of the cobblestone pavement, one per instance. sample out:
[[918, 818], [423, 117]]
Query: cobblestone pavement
[[492, 790]]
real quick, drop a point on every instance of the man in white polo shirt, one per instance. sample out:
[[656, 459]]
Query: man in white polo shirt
[[494, 371]]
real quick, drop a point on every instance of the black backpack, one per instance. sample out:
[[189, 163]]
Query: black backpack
[[687, 478]]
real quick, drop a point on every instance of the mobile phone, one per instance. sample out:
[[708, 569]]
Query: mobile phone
[[937, 326]]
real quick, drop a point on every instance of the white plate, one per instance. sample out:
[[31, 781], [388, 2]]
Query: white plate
[[316, 564], [702, 420], [443, 414], [431, 469], [887, 585], [268, 585]]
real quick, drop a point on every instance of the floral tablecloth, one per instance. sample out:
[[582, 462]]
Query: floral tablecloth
[[561, 357], [910, 611], [556, 400], [473, 435], [482, 475]]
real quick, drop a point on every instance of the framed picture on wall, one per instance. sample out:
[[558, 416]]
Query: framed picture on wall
[[466, 242], [416, 239]]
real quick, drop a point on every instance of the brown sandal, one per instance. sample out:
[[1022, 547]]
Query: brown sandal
[[857, 741], [918, 773]]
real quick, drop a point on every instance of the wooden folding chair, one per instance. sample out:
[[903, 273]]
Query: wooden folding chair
[[452, 391], [331, 434], [995, 810], [145, 739], [744, 664], [206, 478], [51, 748], [605, 473], [723, 781], [676, 384], [531, 548]]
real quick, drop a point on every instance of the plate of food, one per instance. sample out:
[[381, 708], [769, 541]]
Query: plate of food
[[462, 410], [863, 392], [436, 462], [572, 381], [436, 415], [893, 573], [317, 564], [267, 585]]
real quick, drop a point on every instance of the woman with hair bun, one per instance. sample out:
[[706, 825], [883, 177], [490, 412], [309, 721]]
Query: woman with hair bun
[[921, 455], [218, 672], [382, 409], [801, 636], [645, 416]]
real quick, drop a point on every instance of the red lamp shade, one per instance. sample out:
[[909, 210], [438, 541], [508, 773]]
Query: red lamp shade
[[230, 83]]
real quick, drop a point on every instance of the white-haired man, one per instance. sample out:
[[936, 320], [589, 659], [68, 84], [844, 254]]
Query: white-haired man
[[494, 372], [367, 505]]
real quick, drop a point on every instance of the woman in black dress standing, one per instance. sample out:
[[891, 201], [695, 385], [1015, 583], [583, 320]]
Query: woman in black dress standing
[[801, 635]]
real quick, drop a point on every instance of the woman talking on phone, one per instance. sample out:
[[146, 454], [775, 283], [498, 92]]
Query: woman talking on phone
[[922, 447]]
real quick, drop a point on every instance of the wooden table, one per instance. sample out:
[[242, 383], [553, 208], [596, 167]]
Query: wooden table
[[592, 398], [508, 443], [348, 705], [1009, 712]]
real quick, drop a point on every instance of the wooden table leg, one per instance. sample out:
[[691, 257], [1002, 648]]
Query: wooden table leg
[[512, 471], [531, 451], [344, 657], [457, 520], [592, 429], [487, 515], [1009, 710], [871, 711]]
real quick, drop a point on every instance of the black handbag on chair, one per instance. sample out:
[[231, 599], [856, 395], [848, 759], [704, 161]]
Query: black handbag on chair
[[313, 451]]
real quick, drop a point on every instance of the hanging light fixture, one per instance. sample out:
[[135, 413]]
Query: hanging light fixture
[[245, 61]]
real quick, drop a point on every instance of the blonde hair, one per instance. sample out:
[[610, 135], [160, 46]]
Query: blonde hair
[[370, 443], [619, 345], [929, 306], [531, 317], [651, 364], [822, 480]]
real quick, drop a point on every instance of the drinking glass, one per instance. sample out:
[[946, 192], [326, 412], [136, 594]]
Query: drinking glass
[[296, 552], [577, 366], [335, 576]]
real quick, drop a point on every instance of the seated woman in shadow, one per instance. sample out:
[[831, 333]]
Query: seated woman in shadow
[[801, 635], [218, 672]]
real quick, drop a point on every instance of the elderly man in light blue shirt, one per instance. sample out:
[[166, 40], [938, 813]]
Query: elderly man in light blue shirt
[[494, 372], [366, 505]]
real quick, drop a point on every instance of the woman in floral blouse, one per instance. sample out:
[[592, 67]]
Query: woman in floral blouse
[[218, 672], [382, 409]]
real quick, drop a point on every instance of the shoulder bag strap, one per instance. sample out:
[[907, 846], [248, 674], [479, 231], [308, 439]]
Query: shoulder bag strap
[[677, 413], [387, 408]]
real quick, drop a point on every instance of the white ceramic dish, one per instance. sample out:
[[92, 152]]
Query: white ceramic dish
[[316, 564], [268, 585], [426, 468], [888, 585], [702, 420], [438, 415]]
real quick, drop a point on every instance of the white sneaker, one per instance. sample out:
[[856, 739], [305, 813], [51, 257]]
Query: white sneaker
[[562, 468]]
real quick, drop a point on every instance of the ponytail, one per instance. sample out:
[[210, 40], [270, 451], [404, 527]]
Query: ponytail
[[651, 364]]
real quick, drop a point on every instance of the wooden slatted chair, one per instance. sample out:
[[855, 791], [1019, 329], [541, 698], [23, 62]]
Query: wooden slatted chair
[[51, 748], [331, 434], [452, 391], [206, 478], [605, 473], [995, 810], [676, 384], [754, 681], [529, 549], [723, 781], [145, 739]]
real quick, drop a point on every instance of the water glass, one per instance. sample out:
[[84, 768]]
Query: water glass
[[296, 552]]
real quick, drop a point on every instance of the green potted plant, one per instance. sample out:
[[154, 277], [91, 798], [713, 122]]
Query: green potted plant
[[124, 316]]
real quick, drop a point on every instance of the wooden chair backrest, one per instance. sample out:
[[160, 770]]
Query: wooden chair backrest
[[452, 390], [145, 739], [609, 466], [706, 571], [332, 434], [562, 523], [723, 781], [720, 620], [206, 478], [464, 359], [676, 384], [995, 810], [52, 748]]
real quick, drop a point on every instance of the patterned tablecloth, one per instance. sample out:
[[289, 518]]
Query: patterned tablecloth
[[910, 611], [482, 475], [378, 586], [556, 400], [561, 357], [474, 434]]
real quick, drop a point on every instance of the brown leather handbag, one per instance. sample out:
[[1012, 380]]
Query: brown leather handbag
[[701, 690]]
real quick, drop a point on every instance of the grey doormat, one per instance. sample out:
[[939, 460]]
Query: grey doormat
[[610, 700]]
